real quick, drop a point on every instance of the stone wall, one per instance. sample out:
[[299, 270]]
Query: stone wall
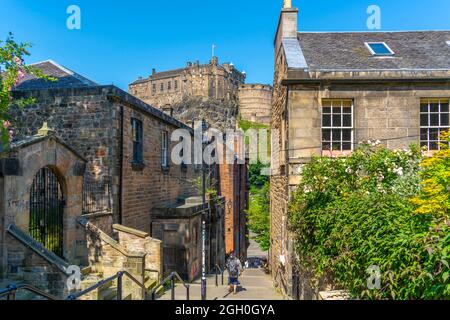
[[210, 80], [103, 221], [136, 241], [151, 185], [89, 120], [84, 119], [389, 112], [26, 266], [279, 255], [46, 152], [255, 102], [179, 229], [107, 257]]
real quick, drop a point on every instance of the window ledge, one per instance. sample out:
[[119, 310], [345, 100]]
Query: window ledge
[[137, 166]]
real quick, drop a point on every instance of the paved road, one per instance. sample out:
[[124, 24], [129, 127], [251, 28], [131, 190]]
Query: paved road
[[256, 285]]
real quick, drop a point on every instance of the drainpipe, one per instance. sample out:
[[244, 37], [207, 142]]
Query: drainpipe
[[121, 166]]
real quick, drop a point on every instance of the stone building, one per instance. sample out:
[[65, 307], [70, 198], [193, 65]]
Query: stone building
[[40, 180], [130, 175], [333, 90], [212, 93], [212, 80], [255, 102], [234, 187]]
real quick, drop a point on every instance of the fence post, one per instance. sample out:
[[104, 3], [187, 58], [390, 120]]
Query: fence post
[[119, 286], [12, 294]]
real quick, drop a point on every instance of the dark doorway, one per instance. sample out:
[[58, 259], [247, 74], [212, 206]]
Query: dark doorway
[[47, 210]]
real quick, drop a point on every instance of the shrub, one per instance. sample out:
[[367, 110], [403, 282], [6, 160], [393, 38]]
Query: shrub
[[258, 215], [352, 213]]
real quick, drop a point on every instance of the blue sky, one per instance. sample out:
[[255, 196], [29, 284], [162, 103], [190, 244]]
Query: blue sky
[[121, 40]]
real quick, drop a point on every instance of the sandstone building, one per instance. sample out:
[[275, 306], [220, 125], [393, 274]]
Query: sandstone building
[[129, 176], [255, 102], [333, 90], [212, 92], [211, 80]]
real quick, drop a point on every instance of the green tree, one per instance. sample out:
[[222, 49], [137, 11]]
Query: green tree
[[349, 214], [256, 179], [259, 215], [12, 71], [434, 197]]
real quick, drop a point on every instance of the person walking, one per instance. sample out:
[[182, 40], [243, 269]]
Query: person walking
[[234, 267]]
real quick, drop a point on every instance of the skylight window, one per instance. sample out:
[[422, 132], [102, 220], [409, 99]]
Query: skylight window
[[379, 49]]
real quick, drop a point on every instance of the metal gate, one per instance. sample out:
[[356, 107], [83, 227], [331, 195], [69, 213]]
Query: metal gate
[[46, 211]]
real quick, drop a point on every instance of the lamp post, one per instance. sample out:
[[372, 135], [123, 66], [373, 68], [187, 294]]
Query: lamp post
[[203, 285]]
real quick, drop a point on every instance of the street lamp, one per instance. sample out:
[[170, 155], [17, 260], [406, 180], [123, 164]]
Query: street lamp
[[204, 142]]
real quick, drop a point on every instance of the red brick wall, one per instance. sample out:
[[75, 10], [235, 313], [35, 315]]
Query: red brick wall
[[233, 185]]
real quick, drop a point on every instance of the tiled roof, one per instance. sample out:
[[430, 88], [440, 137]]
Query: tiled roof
[[340, 51], [65, 78]]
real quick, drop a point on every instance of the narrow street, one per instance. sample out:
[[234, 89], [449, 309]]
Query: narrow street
[[255, 284]]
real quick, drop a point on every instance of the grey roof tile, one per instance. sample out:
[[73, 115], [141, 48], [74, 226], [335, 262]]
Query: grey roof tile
[[414, 50], [65, 78]]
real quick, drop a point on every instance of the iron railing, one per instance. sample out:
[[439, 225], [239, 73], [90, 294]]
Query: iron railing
[[119, 277], [47, 211], [218, 270], [172, 278], [96, 196], [11, 292]]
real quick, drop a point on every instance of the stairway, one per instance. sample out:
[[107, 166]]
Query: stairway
[[108, 291], [256, 285]]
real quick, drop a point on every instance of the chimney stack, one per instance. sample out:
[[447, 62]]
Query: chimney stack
[[153, 71], [288, 25], [287, 4]]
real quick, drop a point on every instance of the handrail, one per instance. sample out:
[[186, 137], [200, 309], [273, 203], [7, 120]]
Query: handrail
[[119, 277], [170, 278], [11, 292], [222, 271]]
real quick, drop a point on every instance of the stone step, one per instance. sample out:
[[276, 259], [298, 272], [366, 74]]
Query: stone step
[[109, 293], [150, 284], [86, 271]]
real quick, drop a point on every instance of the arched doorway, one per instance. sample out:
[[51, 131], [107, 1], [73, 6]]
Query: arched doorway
[[47, 210]]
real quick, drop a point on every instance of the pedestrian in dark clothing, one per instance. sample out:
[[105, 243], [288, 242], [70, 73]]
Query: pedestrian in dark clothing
[[234, 267]]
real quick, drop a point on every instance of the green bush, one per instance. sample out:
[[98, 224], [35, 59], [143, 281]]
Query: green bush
[[258, 215], [349, 214], [256, 179]]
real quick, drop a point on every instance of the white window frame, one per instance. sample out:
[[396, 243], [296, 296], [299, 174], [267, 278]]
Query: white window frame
[[440, 127], [342, 127], [377, 54], [164, 149]]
